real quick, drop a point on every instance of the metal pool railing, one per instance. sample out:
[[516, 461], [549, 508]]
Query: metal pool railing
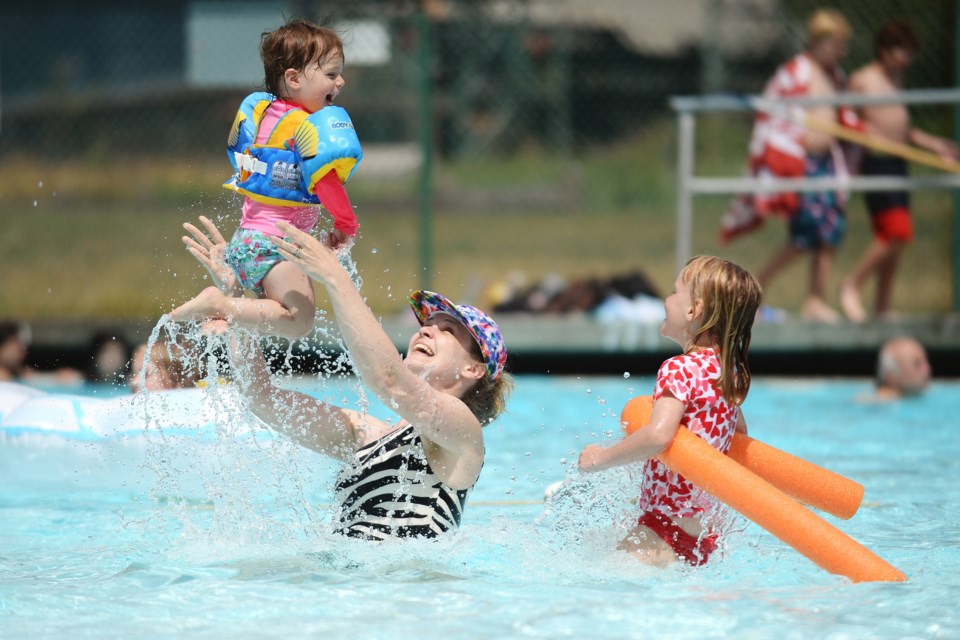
[[690, 185]]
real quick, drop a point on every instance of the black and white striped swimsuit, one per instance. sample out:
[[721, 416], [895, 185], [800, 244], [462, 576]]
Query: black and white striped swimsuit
[[390, 491]]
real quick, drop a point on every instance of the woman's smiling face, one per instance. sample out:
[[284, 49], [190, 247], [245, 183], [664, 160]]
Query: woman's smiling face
[[441, 348]]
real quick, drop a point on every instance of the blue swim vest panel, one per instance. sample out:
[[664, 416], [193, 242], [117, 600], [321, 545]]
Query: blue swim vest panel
[[327, 140], [244, 130], [286, 175]]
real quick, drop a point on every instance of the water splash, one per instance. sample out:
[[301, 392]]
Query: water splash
[[235, 481]]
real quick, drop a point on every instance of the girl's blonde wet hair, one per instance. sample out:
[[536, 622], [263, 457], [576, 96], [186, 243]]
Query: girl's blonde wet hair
[[730, 296]]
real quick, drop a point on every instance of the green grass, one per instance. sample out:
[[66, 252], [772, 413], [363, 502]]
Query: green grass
[[97, 242]]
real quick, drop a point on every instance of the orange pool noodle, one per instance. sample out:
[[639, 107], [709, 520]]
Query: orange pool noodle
[[809, 483], [775, 511], [766, 505]]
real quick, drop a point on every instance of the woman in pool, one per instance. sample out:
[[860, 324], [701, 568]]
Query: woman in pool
[[411, 477]]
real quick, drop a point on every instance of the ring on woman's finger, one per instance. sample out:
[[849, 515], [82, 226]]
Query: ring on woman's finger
[[297, 254]]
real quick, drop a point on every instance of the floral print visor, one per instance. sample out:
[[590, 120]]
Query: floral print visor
[[481, 326]]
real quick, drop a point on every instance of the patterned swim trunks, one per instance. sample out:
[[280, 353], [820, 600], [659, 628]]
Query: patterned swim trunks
[[820, 221], [251, 254]]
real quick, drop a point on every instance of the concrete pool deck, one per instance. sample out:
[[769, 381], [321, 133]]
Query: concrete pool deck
[[581, 344]]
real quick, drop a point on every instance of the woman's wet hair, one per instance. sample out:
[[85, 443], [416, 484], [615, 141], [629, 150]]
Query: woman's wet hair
[[487, 399]]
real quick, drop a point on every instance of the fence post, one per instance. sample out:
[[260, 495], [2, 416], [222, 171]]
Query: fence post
[[955, 244], [425, 186], [685, 124]]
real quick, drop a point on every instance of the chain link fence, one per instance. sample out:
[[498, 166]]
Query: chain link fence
[[504, 76], [530, 105]]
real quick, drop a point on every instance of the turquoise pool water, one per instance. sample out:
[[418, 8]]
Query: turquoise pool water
[[223, 533]]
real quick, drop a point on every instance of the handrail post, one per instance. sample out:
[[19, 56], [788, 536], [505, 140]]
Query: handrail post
[[688, 185], [955, 244], [686, 128]]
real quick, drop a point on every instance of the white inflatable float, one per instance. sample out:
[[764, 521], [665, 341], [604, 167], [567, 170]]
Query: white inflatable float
[[54, 440]]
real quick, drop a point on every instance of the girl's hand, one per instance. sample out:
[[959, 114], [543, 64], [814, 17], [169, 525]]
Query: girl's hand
[[209, 252], [337, 240], [591, 459], [309, 254]]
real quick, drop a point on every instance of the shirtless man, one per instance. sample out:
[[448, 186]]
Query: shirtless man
[[817, 224], [894, 47]]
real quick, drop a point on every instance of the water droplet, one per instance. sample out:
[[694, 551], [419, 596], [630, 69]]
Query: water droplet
[[34, 203], [626, 374], [374, 250]]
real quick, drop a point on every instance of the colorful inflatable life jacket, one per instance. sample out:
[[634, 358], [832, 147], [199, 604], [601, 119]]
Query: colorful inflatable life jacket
[[301, 149]]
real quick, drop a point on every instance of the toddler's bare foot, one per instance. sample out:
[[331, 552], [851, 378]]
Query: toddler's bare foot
[[209, 303], [850, 303], [817, 310]]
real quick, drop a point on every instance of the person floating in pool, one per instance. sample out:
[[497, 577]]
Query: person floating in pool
[[710, 314], [171, 362], [903, 369], [411, 477], [292, 151]]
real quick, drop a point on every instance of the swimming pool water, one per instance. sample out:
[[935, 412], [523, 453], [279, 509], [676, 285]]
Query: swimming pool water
[[226, 538]]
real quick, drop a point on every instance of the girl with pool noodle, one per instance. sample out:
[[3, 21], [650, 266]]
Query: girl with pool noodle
[[767, 486], [409, 478], [710, 314]]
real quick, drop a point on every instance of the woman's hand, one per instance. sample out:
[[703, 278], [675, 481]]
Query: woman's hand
[[315, 259], [209, 252]]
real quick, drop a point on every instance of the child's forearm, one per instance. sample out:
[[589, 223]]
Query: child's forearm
[[634, 448], [645, 442], [334, 198]]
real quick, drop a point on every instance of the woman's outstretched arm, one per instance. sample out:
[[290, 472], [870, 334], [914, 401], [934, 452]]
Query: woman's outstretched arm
[[328, 429], [442, 418]]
